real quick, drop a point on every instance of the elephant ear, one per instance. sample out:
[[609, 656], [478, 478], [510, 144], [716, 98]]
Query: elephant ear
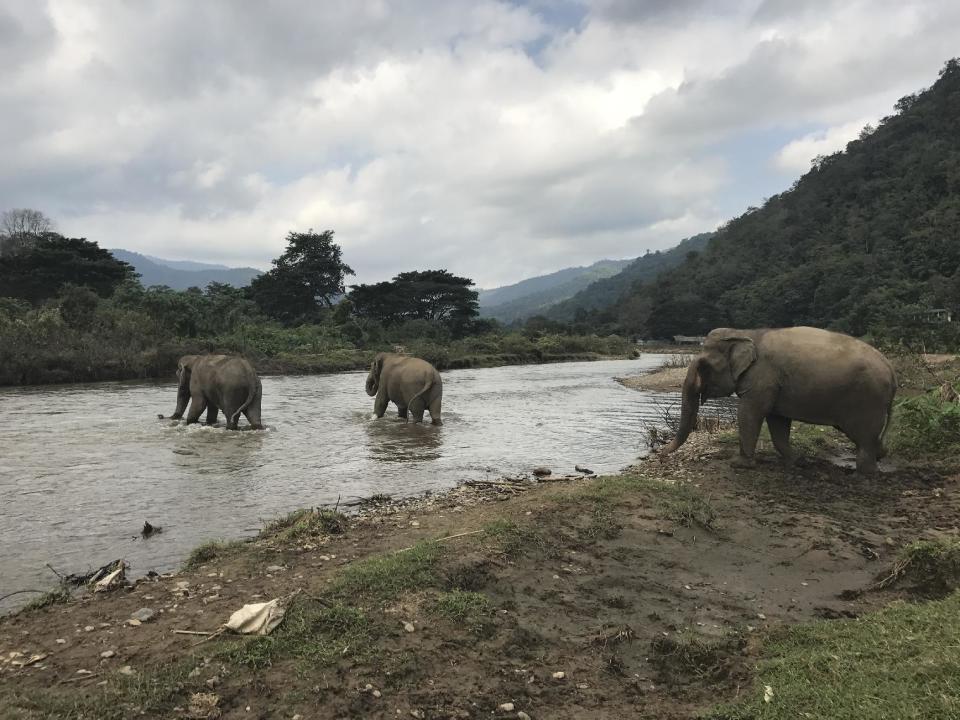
[[743, 354]]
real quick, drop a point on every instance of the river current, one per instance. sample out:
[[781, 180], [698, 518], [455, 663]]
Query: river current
[[83, 466]]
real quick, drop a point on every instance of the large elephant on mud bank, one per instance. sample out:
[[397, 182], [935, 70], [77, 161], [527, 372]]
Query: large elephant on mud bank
[[410, 383], [799, 373], [218, 382]]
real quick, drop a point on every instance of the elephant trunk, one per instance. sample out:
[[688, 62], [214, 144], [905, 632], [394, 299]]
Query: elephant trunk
[[373, 384], [183, 395], [692, 388]]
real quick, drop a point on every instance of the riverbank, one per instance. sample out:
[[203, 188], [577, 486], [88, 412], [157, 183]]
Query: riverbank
[[670, 589]]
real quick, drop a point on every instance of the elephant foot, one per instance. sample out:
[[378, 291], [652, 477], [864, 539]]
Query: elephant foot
[[743, 463], [438, 421]]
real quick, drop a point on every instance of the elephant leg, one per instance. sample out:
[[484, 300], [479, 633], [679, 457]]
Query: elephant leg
[[417, 408], [212, 412], [402, 411], [435, 412], [780, 434], [252, 413], [749, 422], [198, 404], [380, 405]]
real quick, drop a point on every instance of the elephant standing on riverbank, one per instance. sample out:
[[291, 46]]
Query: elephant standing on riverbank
[[218, 382], [410, 383], [800, 373]]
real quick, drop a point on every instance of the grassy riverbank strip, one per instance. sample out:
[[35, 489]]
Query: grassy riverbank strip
[[678, 587]]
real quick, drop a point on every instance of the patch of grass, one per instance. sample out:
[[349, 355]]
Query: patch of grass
[[314, 631], [210, 551], [308, 522], [926, 425], [931, 567], [385, 577], [59, 594], [900, 662], [688, 508], [602, 525], [513, 540], [469, 609]]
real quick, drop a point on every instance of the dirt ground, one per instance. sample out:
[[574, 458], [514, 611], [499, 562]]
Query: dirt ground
[[639, 595]]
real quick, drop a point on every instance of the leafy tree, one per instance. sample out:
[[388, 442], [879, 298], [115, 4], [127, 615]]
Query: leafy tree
[[435, 296], [38, 271], [305, 278]]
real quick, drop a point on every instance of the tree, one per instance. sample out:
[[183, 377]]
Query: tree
[[435, 296], [20, 227], [38, 271], [308, 276]]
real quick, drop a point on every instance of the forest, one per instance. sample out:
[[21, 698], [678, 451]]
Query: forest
[[867, 242], [70, 311]]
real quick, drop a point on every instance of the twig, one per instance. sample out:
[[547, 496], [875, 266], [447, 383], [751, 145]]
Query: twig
[[80, 679], [194, 632], [448, 537], [211, 636], [17, 592], [54, 571]]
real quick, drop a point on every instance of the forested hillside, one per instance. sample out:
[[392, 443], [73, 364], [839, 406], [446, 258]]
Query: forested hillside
[[534, 295], [867, 242], [606, 292]]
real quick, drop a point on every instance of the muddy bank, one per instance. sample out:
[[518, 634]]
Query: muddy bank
[[664, 380], [646, 594]]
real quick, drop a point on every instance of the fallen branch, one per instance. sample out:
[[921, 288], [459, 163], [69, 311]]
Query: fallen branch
[[194, 632], [443, 539], [17, 592]]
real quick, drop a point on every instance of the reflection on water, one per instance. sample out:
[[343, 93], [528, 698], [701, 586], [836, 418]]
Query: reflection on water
[[83, 466]]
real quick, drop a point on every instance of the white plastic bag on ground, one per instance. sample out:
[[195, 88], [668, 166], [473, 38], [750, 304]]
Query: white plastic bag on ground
[[257, 618]]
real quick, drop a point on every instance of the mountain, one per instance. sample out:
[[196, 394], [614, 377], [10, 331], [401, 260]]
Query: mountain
[[182, 274], [606, 291], [534, 295], [867, 241]]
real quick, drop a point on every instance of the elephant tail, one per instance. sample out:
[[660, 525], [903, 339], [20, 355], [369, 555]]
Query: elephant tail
[[423, 390], [886, 424], [254, 389]]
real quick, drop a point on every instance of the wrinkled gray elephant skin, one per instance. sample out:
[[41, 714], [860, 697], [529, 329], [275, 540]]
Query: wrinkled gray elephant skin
[[802, 373], [218, 382], [412, 384]]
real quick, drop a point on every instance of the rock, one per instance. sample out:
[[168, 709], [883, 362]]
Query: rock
[[144, 615], [89, 628], [581, 469], [414, 523], [559, 675], [275, 568], [505, 707], [84, 672], [521, 715], [376, 693], [298, 716], [408, 626], [213, 682], [61, 641], [127, 670], [107, 654], [542, 471], [133, 622]]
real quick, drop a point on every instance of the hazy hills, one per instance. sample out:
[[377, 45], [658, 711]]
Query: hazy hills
[[182, 274]]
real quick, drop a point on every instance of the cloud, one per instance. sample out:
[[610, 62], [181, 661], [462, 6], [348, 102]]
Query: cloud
[[795, 157], [497, 139]]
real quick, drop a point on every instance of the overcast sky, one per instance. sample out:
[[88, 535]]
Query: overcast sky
[[496, 139]]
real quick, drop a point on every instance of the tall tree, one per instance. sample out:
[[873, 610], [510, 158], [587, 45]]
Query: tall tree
[[39, 270], [306, 277], [433, 295], [20, 227]]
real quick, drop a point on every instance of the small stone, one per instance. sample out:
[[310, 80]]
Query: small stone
[[144, 615], [133, 622], [368, 687], [408, 626], [107, 654], [559, 675], [127, 670], [376, 693], [761, 616], [521, 715], [298, 716], [61, 641], [275, 568], [505, 707], [84, 672], [542, 471], [195, 672], [414, 523], [89, 628], [417, 714], [213, 682]]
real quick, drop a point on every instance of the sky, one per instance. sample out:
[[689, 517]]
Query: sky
[[496, 139]]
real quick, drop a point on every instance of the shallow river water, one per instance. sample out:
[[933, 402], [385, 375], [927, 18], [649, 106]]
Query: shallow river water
[[83, 466]]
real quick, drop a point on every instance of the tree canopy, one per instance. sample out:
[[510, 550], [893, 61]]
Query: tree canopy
[[433, 295], [308, 276]]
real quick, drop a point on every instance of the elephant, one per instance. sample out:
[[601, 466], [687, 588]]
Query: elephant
[[799, 373], [412, 384], [218, 382]]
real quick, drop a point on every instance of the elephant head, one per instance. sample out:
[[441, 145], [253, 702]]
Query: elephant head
[[715, 372], [184, 369], [373, 378]]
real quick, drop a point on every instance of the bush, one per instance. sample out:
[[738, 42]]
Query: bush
[[926, 424]]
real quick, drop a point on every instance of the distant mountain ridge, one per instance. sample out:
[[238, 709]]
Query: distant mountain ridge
[[183, 274], [535, 295], [605, 292]]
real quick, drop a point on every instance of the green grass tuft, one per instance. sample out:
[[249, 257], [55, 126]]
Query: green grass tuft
[[926, 425], [210, 551], [306, 523], [469, 609], [512, 539], [59, 594], [931, 567], [385, 577], [900, 662]]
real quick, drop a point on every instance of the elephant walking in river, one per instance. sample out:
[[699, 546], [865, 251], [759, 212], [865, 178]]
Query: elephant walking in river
[[799, 373], [218, 382], [412, 384]]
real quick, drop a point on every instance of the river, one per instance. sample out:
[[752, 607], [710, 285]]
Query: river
[[83, 466]]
